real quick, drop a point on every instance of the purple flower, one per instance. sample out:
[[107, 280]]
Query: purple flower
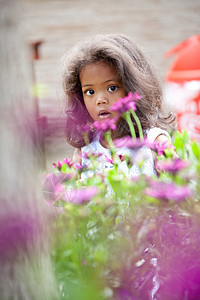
[[107, 124], [129, 142], [158, 147], [126, 103], [78, 166], [168, 191], [172, 166], [66, 161], [81, 195]]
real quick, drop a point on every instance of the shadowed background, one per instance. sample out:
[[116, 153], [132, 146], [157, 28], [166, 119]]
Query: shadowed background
[[156, 25]]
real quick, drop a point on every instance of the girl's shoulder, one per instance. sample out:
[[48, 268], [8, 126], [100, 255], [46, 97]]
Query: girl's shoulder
[[153, 133]]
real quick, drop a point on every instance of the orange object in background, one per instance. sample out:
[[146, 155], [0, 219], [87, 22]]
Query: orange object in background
[[183, 78]]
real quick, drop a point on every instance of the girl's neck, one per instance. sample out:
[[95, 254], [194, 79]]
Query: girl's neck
[[104, 143]]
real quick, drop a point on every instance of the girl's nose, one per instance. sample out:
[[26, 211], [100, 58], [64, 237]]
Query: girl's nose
[[102, 100]]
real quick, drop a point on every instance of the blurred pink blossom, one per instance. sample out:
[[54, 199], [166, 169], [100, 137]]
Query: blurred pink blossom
[[126, 103], [129, 142], [168, 191], [81, 195], [172, 166], [107, 124]]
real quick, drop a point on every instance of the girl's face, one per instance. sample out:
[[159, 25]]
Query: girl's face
[[101, 88]]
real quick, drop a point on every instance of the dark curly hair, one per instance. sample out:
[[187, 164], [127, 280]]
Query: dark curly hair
[[135, 74]]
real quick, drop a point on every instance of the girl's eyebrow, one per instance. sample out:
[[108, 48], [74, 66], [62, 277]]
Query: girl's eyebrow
[[113, 79], [87, 85]]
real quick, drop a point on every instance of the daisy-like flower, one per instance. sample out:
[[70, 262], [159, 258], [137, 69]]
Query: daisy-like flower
[[172, 166], [168, 191], [126, 103], [66, 161], [107, 124], [129, 142]]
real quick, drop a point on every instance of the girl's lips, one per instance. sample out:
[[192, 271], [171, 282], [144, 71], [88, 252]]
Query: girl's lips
[[103, 114]]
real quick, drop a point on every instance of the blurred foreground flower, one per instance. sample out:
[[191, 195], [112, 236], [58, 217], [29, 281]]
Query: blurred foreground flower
[[107, 124], [18, 233], [158, 147], [168, 191], [171, 166], [129, 142], [80, 195], [126, 103], [53, 188]]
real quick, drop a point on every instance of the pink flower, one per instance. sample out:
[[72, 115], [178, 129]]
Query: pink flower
[[60, 163], [129, 142], [126, 103], [168, 191], [78, 166], [158, 147], [81, 195], [172, 166], [107, 124], [110, 160]]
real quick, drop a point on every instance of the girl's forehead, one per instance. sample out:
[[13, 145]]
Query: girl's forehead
[[98, 69]]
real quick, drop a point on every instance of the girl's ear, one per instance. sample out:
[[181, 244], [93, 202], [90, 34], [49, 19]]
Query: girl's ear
[[163, 138]]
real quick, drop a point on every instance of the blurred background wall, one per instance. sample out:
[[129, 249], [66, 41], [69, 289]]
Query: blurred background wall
[[156, 25]]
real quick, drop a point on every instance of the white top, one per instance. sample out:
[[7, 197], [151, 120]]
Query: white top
[[143, 154]]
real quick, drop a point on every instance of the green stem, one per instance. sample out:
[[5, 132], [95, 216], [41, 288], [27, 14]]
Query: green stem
[[108, 138], [127, 117], [86, 138], [138, 124]]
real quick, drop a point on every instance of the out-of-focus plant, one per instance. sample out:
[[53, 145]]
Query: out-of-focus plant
[[116, 237]]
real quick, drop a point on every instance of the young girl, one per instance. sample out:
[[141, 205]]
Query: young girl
[[97, 72]]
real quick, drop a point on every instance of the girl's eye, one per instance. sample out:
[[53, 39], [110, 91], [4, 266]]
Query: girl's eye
[[112, 88], [89, 92]]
